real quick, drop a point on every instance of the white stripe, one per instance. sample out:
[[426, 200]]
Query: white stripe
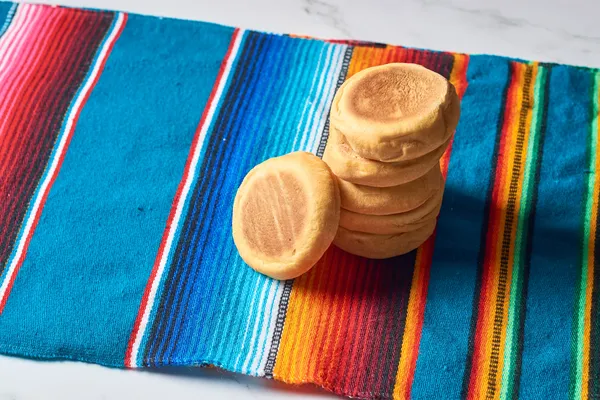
[[312, 128], [18, 78], [257, 322], [325, 105], [182, 200], [263, 331], [66, 133], [307, 104], [247, 329], [260, 371]]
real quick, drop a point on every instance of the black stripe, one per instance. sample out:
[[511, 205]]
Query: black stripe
[[507, 234], [283, 305], [61, 92], [177, 270], [287, 289], [529, 239], [594, 354], [399, 285], [205, 193], [341, 79], [484, 228]]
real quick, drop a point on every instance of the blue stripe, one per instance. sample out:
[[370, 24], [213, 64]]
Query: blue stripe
[[7, 13], [176, 237], [53, 155], [209, 323], [282, 91], [95, 245], [245, 296], [557, 236], [444, 342], [174, 285], [190, 238], [209, 202]]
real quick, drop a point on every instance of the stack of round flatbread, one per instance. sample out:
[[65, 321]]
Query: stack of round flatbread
[[389, 127], [377, 191]]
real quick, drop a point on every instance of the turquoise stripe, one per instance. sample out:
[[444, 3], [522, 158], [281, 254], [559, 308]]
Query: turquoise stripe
[[557, 236], [441, 365], [211, 321], [53, 155], [7, 12], [185, 210], [95, 245]]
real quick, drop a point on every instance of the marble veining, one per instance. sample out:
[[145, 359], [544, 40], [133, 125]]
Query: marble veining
[[329, 13]]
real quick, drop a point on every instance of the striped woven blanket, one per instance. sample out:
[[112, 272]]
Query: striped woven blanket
[[123, 140]]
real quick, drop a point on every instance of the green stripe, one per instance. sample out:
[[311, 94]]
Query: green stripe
[[516, 291], [576, 363]]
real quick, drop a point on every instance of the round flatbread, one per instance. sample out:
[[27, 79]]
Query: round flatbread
[[351, 167], [396, 112], [286, 214], [382, 246], [394, 223], [391, 200]]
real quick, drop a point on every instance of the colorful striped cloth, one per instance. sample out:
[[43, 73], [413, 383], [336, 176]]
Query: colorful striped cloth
[[123, 140]]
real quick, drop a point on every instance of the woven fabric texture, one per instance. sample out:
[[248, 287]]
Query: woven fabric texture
[[123, 140]]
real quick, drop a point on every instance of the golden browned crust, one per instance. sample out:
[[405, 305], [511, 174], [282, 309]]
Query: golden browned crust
[[351, 167], [394, 223], [391, 200], [285, 215], [395, 112], [382, 246]]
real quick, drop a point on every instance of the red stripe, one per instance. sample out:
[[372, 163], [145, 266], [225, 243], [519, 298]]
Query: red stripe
[[427, 249], [43, 136], [24, 137], [41, 91], [357, 343], [426, 256], [348, 331], [47, 61], [491, 239], [186, 172], [57, 169]]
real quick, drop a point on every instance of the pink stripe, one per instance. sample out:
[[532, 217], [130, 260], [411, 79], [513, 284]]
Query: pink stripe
[[12, 37], [23, 67], [55, 164]]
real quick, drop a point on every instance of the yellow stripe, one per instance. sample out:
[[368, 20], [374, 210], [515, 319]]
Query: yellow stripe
[[489, 385], [407, 363], [590, 269]]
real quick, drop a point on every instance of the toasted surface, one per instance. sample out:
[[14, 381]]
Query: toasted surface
[[285, 215], [391, 92], [351, 167], [393, 223], [391, 200], [396, 112], [382, 246]]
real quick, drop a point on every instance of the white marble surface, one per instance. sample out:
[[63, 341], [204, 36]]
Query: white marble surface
[[565, 31]]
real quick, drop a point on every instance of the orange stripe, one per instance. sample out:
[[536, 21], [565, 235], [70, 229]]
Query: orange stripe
[[590, 277], [325, 301], [301, 295], [299, 353], [491, 267], [486, 375], [418, 293]]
